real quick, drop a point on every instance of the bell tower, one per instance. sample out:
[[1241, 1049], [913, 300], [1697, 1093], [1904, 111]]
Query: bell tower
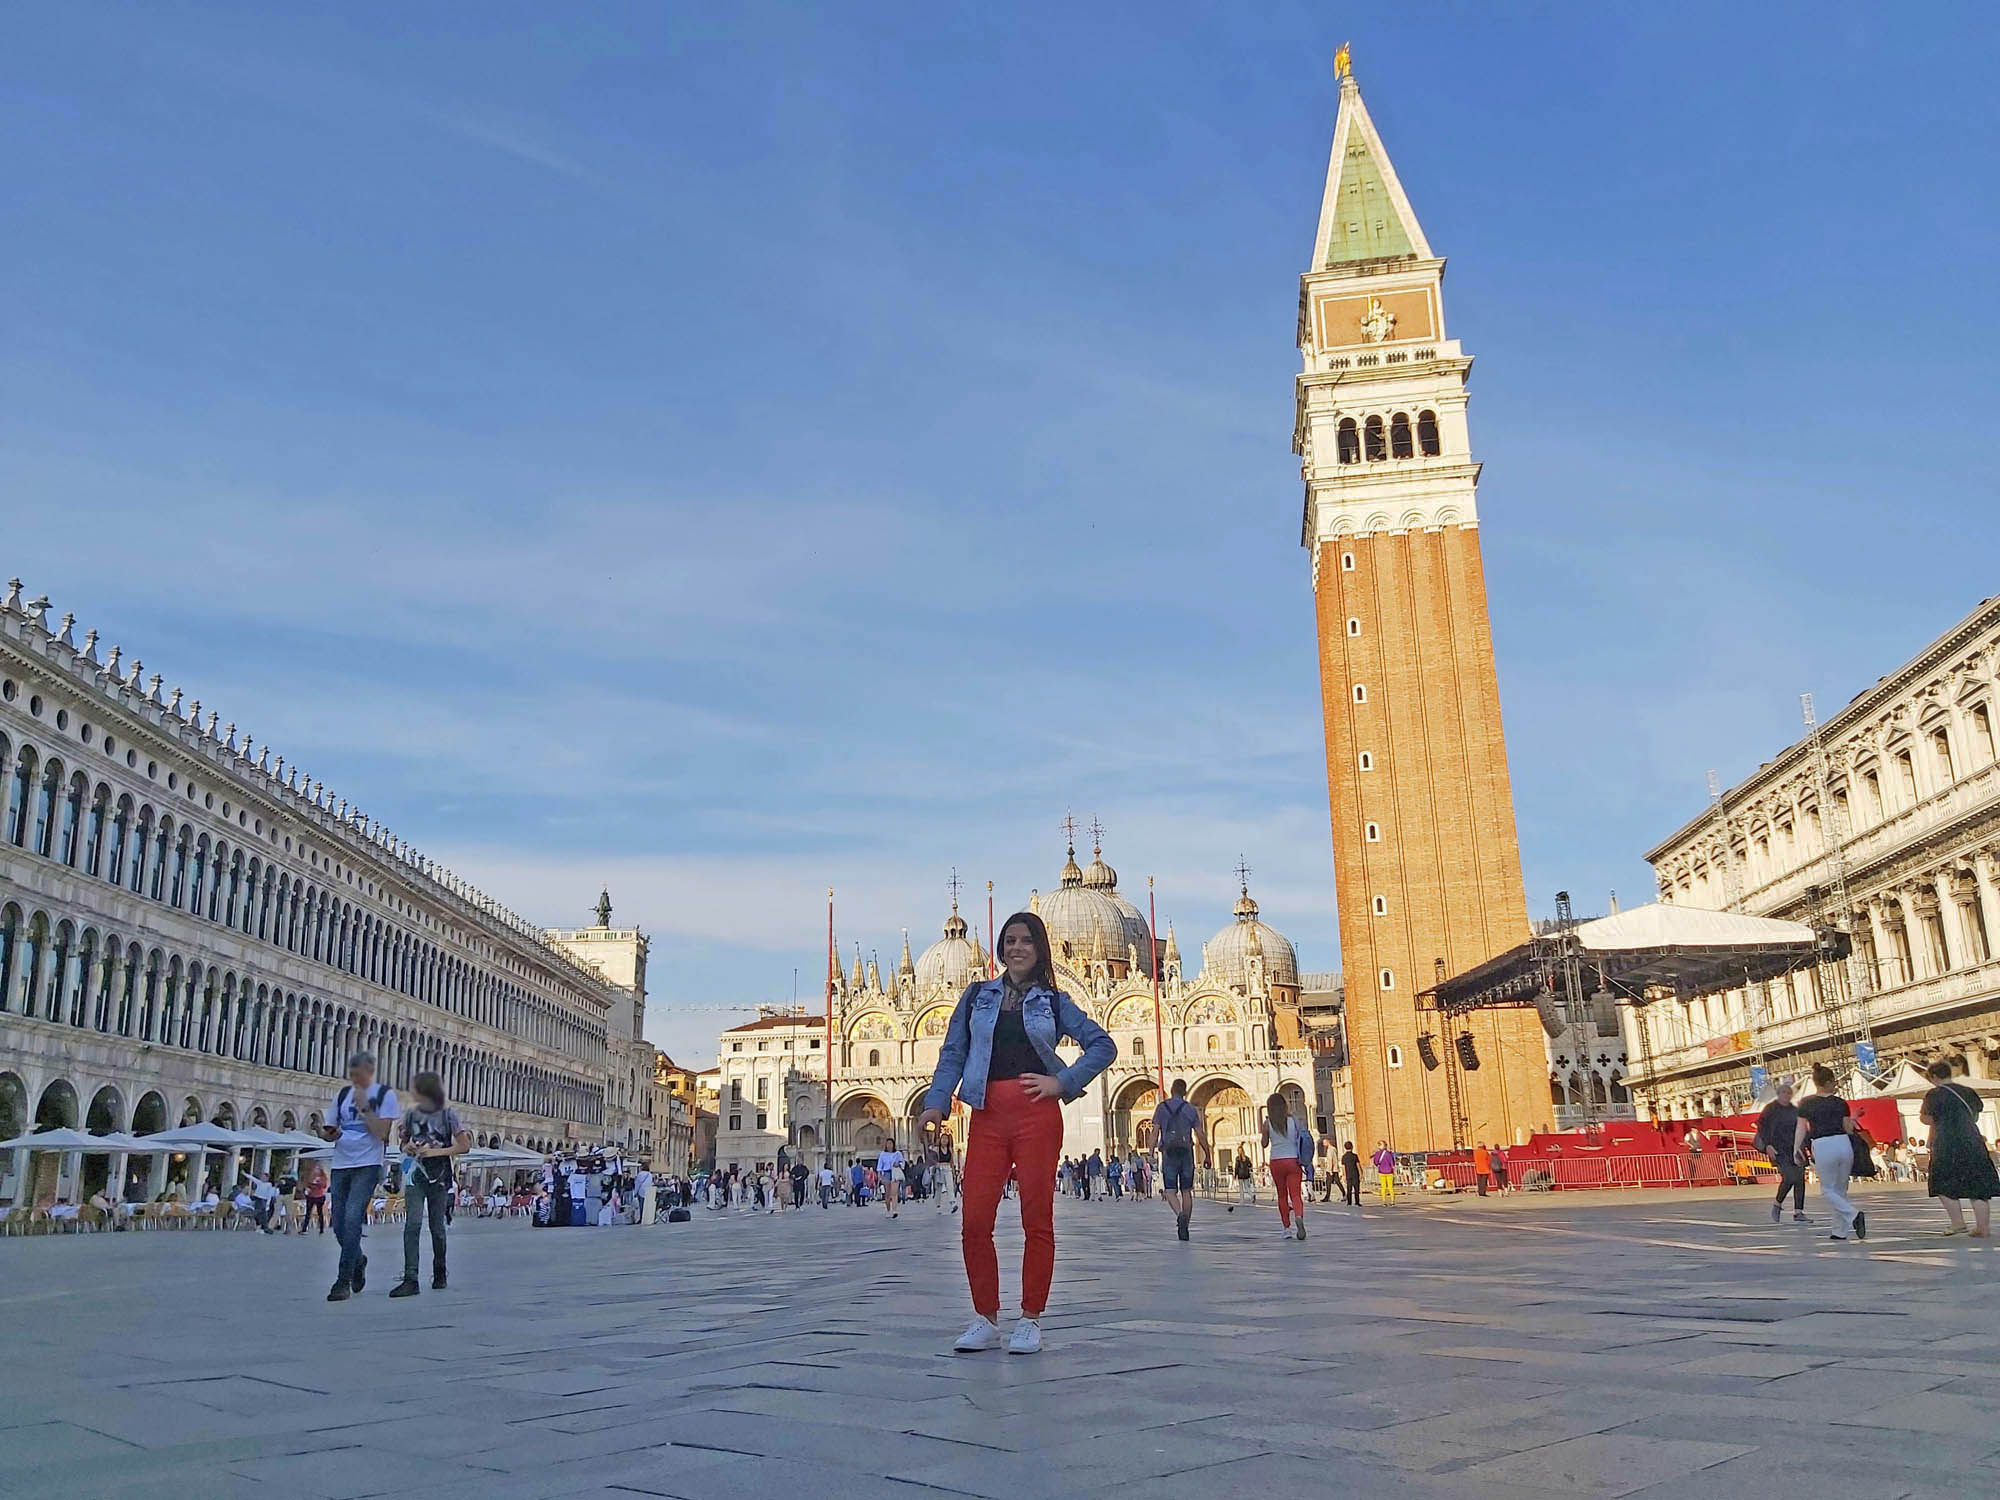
[[1427, 868]]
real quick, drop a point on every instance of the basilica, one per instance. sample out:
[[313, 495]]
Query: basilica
[[1234, 1030]]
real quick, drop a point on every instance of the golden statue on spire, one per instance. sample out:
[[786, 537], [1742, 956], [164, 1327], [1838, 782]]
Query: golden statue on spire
[[1343, 61]]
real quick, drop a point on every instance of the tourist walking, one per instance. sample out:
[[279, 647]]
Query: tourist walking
[[315, 1185], [1178, 1128], [1499, 1168], [1826, 1129], [1384, 1162], [1350, 1175], [1289, 1146], [431, 1136], [826, 1181], [1482, 1167], [889, 1173], [363, 1112], [999, 1056], [1960, 1167], [1777, 1131], [1114, 1177], [1246, 1179], [1093, 1175]]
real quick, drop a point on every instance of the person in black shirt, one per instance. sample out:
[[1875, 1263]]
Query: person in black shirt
[[1960, 1167], [1350, 1175], [1826, 1128], [1777, 1129]]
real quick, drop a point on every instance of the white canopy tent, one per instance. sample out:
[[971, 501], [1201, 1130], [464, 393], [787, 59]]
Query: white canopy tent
[[1666, 924]]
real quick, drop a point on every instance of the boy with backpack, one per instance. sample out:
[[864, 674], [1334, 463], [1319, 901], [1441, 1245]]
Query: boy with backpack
[[1177, 1127]]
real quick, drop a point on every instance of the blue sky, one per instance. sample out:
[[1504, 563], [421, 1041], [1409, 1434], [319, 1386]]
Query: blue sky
[[728, 451]]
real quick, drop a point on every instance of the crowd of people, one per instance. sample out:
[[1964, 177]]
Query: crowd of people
[[999, 1058]]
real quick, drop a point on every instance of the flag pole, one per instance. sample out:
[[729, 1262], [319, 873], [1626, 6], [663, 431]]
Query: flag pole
[[826, 1138], [1153, 930], [992, 937]]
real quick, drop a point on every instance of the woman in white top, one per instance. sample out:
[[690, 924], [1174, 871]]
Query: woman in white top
[[1288, 1143]]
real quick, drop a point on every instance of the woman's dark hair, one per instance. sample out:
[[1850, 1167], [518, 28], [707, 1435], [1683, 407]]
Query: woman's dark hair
[[1278, 1110], [1939, 1071], [1038, 934], [429, 1085], [1823, 1078]]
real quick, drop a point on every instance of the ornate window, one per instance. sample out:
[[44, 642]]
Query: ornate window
[[1348, 441], [1400, 445], [1427, 434], [1376, 442]]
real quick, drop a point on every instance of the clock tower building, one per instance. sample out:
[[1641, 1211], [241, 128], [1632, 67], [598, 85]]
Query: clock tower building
[[1427, 867]]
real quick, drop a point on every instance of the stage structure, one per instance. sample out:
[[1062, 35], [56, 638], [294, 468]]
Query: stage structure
[[1588, 971]]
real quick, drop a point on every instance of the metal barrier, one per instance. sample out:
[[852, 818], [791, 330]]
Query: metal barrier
[[1568, 1173]]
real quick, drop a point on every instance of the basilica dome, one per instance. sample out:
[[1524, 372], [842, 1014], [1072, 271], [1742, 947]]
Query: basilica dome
[[954, 960], [1225, 958], [1086, 916]]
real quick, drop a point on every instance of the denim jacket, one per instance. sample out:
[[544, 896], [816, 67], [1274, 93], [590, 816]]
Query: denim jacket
[[1046, 1015]]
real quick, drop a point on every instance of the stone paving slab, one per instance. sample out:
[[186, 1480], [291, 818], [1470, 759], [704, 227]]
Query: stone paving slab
[[1657, 1345]]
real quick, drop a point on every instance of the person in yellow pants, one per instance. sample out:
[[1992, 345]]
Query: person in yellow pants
[[1385, 1171]]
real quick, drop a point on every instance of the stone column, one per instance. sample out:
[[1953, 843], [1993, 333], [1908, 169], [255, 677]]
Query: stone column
[[156, 1175], [1987, 896]]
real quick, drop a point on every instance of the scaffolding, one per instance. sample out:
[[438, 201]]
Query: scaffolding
[[1841, 987]]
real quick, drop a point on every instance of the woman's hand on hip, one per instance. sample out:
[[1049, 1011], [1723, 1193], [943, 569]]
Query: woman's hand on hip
[[1042, 1086]]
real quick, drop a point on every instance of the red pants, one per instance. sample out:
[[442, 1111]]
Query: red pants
[[1023, 1135], [1285, 1177]]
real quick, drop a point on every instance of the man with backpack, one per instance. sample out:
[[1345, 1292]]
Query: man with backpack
[[363, 1111], [1177, 1128]]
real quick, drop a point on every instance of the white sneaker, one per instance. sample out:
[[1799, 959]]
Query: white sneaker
[[980, 1335], [1027, 1337], [1285, 1232]]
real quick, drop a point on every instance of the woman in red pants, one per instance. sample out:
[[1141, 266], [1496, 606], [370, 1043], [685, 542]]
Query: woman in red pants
[[1289, 1143], [999, 1056]]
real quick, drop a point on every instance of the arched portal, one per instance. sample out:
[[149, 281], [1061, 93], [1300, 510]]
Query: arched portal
[[106, 1114], [862, 1126], [13, 1106], [56, 1109], [1230, 1116], [1132, 1114]]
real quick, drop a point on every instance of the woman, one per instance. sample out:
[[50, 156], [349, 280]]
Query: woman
[[1246, 1179], [1290, 1145], [999, 1056], [432, 1137], [1826, 1126], [316, 1185], [1960, 1167]]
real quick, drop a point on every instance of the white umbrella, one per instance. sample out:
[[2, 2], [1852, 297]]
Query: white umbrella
[[136, 1145], [212, 1137], [64, 1139]]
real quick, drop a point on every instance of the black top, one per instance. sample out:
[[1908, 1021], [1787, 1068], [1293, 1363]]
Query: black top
[[1013, 1054], [1350, 1164], [1777, 1128], [1826, 1114]]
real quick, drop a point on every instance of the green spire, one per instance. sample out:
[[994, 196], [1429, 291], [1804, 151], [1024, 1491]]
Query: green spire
[[1367, 225]]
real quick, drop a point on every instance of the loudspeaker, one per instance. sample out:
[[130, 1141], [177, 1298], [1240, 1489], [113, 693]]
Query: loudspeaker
[[1468, 1055], [1427, 1050]]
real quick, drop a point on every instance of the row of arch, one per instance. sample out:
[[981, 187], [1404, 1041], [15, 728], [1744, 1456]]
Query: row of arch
[[55, 813], [70, 974], [58, 1104], [1399, 437]]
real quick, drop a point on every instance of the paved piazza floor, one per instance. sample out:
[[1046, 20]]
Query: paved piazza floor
[[1663, 1346]]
